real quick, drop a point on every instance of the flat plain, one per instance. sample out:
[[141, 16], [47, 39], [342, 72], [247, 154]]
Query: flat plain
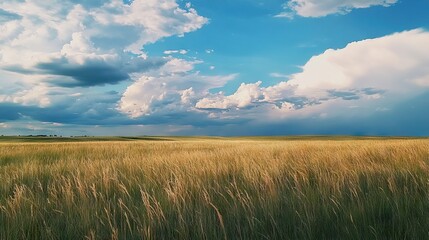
[[214, 188]]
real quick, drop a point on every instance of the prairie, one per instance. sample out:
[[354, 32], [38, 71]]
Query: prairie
[[214, 188]]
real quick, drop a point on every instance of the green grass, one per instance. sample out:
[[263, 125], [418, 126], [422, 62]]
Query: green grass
[[214, 188]]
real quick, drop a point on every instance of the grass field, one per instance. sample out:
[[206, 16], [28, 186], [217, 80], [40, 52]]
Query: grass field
[[214, 188]]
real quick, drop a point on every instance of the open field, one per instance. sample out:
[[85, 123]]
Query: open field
[[214, 188]]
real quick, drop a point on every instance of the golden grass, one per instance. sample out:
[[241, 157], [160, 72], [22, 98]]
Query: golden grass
[[215, 189]]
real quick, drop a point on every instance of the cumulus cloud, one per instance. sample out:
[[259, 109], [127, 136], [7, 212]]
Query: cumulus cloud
[[37, 95], [383, 70], [78, 43], [156, 18], [175, 87], [317, 8], [246, 95], [172, 93], [365, 77], [102, 42]]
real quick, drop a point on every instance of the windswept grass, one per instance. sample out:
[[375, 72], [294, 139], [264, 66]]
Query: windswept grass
[[215, 189]]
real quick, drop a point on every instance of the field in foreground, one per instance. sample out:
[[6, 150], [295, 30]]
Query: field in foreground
[[215, 189]]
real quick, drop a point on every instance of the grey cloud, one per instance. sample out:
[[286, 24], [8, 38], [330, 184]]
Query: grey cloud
[[354, 94], [298, 102], [100, 109], [10, 111], [403, 119], [372, 91], [143, 65], [92, 73], [19, 69], [6, 16], [345, 95], [114, 35]]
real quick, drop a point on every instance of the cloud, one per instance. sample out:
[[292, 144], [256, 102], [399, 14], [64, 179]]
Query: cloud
[[90, 73], [89, 43], [37, 95], [394, 63], [367, 74], [51, 49], [317, 8], [6, 16], [246, 95], [347, 88], [156, 18], [163, 94], [182, 51], [95, 44], [278, 75]]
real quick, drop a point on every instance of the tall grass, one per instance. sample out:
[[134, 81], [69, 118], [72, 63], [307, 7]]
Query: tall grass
[[214, 189]]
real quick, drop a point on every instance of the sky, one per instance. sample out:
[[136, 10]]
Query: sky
[[202, 67]]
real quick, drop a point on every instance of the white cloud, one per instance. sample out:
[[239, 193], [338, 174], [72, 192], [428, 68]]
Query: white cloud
[[52, 43], [38, 95], [317, 8], [187, 95], [139, 97], [364, 76], [245, 95], [395, 63], [157, 19], [80, 49], [279, 75], [177, 65], [368, 73], [169, 52], [168, 92]]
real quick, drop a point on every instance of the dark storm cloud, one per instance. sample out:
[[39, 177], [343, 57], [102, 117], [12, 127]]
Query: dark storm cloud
[[91, 73], [11, 111]]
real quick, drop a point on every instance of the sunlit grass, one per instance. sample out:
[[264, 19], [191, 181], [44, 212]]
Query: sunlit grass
[[215, 189]]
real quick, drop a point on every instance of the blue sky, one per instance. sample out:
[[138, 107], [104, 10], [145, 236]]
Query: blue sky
[[172, 67]]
